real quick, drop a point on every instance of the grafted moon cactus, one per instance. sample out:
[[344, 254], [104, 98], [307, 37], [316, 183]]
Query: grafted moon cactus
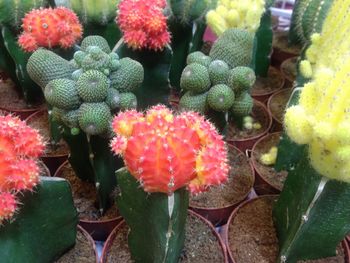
[[20, 145], [50, 27], [143, 24], [166, 152]]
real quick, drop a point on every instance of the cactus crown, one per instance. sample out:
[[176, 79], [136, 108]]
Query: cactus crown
[[143, 24], [236, 14], [20, 145], [166, 152], [50, 28], [322, 118]]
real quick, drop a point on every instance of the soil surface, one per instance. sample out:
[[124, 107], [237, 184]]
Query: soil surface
[[235, 190], [252, 236], [82, 252], [280, 41], [11, 98], [259, 114], [289, 68], [41, 123], [270, 175], [273, 82], [84, 196], [201, 245], [278, 104]]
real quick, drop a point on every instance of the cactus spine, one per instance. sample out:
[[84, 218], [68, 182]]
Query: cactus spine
[[321, 173]]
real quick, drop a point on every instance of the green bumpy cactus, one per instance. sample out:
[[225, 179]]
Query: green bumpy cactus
[[308, 17], [84, 95]]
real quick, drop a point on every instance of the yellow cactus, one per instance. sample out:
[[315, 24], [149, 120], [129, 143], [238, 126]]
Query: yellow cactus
[[270, 157], [322, 118], [236, 14]]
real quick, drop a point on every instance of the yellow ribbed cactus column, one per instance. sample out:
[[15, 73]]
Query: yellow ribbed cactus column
[[311, 215]]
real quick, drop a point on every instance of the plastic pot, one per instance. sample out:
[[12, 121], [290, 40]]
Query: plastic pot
[[219, 215], [247, 143], [109, 242], [275, 111], [281, 49], [289, 70], [98, 229]]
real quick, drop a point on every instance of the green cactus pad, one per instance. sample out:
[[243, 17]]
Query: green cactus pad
[[195, 78], [221, 97], [127, 100], [95, 41], [235, 47], [241, 79], [94, 118], [128, 77], [242, 106], [92, 86], [71, 118], [194, 102], [44, 66], [218, 72], [198, 57], [113, 98], [61, 93]]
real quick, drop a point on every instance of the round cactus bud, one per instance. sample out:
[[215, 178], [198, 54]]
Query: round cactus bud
[[113, 56], [61, 93], [114, 64], [95, 52], [94, 118], [93, 62], [218, 72], [71, 118], [79, 56], [76, 74], [194, 102], [198, 57], [57, 113], [113, 98], [242, 106], [195, 78], [127, 100], [8, 206], [128, 77], [95, 41], [92, 86], [241, 79], [220, 97]]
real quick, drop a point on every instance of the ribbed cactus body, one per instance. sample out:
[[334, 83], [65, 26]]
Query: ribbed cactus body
[[218, 72], [62, 93], [94, 118], [194, 102], [95, 41], [221, 97], [243, 105], [241, 79], [92, 86], [198, 57], [195, 78]]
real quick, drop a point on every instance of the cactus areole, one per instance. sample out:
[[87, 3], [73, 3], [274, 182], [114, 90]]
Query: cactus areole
[[166, 152], [20, 145]]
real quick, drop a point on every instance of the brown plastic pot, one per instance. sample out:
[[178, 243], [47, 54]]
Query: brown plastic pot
[[261, 185], [98, 229], [91, 241], [276, 120], [51, 161], [287, 64], [225, 231], [245, 144], [219, 215], [262, 95], [108, 244]]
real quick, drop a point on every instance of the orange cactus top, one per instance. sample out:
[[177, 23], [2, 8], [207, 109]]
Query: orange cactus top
[[166, 152]]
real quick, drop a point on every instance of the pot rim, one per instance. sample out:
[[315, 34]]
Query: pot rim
[[88, 236], [273, 91]]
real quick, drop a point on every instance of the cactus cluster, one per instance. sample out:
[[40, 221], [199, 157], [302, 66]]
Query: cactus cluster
[[222, 80], [236, 14], [85, 91], [143, 24], [50, 27], [166, 152], [322, 118], [20, 145]]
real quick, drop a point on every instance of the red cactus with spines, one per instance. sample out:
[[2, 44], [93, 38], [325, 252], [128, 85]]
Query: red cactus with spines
[[50, 27], [143, 24], [166, 152], [20, 145]]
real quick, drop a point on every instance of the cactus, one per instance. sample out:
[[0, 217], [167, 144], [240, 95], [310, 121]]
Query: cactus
[[83, 97], [164, 154], [307, 19], [195, 78], [241, 79], [50, 28], [317, 190], [221, 97], [198, 57], [194, 102], [95, 41], [218, 72]]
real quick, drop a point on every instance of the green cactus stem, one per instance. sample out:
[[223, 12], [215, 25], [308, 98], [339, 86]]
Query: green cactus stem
[[36, 234], [159, 236]]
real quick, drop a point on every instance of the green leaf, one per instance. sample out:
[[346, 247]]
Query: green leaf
[[45, 226], [155, 88], [154, 235]]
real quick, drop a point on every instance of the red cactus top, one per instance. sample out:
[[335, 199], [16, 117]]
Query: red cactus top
[[50, 27], [166, 152], [143, 24], [20, 145]]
